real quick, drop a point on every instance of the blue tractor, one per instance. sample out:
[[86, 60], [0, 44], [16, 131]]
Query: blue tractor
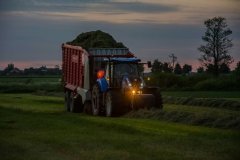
[[120, 87]]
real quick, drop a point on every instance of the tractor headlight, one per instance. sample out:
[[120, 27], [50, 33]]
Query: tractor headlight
[[133, 92]]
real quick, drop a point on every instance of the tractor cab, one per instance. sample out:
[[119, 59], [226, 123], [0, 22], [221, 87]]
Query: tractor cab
[[124, 74]]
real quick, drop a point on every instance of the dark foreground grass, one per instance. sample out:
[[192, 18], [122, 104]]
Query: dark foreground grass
[[36, 127]]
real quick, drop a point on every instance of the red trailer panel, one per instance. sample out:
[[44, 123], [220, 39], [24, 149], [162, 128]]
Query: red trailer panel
[[72, 65]]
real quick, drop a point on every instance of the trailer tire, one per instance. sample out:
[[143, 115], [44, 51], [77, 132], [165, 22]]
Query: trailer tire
[[67, 101], [96, 106], [113, 100], [87, 107], [76, 105]]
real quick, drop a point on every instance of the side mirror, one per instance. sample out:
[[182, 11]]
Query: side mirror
[[149, 64]]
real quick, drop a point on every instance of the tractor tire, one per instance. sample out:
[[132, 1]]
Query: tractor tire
[[67, 101], [96, 106], [112, 105], [76, 105], [87, 107]]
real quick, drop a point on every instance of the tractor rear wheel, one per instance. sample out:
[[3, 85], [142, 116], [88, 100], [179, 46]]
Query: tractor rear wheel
[[113, 100], [96, 100]]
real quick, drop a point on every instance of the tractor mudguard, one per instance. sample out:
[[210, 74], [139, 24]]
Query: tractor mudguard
[[103, 84]]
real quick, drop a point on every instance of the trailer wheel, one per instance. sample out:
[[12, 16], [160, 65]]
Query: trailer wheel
[[87, 107], [67, 101], [113, 100], [76, 105], [96, 100]]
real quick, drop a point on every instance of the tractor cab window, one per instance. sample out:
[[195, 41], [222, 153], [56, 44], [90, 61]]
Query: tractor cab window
[[124, 69]]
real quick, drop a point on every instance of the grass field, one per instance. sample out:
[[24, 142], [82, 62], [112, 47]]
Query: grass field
[[29, 79], [36, 127], [30, 84]]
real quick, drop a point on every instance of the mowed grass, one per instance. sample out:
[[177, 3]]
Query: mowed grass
[[36, 127], [204, 94], [194, 115]]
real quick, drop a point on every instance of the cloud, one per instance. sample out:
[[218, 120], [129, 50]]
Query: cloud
[[139, 7], [124, 11], [83, 6]]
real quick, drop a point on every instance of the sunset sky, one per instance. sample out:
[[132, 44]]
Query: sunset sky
[[32, 31]]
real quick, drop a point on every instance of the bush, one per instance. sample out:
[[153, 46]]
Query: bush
[[217, 84], [166, 81], [195, 82]]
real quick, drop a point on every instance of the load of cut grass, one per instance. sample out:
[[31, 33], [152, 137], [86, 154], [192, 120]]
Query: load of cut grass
[[96, 39]]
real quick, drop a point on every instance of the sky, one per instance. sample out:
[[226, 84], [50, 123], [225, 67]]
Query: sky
[[32, 31]]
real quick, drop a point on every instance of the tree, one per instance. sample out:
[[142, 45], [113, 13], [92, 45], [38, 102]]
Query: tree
[[210, 69], [178, 69], [238, 66], [200, 70], [237, 71], [157, 66], [224, 68], [215, 51], [8, 69], [167, 67], [187, 68]]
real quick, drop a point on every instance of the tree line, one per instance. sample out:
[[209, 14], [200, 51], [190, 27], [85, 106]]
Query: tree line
[[186, 69], [11, 70]]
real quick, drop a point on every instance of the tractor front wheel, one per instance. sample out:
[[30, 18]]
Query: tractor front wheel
[[113, 100]]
